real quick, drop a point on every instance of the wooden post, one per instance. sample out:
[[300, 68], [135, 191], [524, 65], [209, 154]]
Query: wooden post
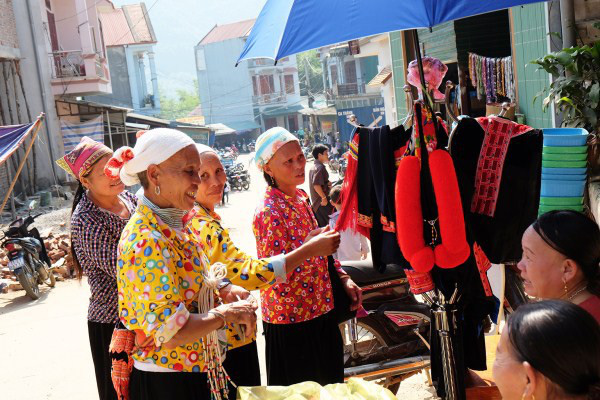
[[13, 211], [109, 131], [5, 75], [13, 71], [29, 119], [125, 126], [3, 120], [14, 180]]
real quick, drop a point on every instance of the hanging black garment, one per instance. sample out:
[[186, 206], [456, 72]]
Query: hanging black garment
[[376, 179], [518, 198]]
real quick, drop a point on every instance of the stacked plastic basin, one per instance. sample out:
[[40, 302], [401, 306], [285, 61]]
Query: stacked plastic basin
[[564, 169]]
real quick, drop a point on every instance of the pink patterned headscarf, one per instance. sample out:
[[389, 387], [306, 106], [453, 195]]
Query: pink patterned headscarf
[[79, 161], [434, 69]]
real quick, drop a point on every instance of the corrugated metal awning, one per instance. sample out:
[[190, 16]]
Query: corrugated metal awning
[[382, 77]]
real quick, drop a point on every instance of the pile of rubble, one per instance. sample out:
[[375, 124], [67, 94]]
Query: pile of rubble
[[58, 248]]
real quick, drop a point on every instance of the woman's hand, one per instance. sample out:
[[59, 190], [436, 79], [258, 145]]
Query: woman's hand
[[312, 234], [241, 312], [353, 291], [325, 243], [232, 293]]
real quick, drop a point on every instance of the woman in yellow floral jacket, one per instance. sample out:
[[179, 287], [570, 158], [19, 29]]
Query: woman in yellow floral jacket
[[242, 359], [164, 280]]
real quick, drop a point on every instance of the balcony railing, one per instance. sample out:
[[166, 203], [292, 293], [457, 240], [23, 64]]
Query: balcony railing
[[348, 89], [271, 98], [71, 64], [67, 64]]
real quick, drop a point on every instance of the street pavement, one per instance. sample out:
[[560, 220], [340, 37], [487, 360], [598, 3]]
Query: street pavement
[[44, 347]]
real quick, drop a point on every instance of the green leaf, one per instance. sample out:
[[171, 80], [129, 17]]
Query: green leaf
[[595, 95], [564, 58]]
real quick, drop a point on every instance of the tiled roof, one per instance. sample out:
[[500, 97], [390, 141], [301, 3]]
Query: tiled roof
[[382, 77], [127, 25], [229, 31]]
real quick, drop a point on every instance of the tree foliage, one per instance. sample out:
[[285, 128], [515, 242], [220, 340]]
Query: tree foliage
[[309, 63], [576, 86], [179, 106]]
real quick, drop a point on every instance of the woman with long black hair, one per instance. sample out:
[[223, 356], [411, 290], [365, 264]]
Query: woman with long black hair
[[101, 209]]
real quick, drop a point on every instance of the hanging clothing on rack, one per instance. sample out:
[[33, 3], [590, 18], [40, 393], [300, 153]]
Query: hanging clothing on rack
[[498, 165], [492, 77]]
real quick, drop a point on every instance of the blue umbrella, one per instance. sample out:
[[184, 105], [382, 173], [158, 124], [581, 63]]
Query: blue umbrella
[[286, 27]]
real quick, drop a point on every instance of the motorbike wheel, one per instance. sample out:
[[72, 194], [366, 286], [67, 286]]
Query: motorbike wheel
[[373, 337], [28, 281], [246, 185]]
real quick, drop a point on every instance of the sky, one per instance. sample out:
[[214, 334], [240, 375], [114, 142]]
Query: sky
[[180, 24]]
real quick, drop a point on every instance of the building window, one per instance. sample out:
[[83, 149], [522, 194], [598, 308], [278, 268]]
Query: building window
[[289, 84], [292, 123], [255, 85], [267, 84], [270, 123], [350, 71], [334, 75]]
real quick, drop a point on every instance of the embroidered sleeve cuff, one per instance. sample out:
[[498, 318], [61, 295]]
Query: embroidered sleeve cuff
[[278, 263], [340, 270], [172, 325]]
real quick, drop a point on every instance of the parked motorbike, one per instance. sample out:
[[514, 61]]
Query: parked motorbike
[[390, 343], [27, 257]]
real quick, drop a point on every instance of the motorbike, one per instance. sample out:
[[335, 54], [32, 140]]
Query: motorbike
[[27, 257], [239, 180], [390, 342]]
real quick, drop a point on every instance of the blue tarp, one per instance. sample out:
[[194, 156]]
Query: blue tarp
[[286, 27], [11, 138]]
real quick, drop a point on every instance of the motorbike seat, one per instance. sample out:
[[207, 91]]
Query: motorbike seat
[[363, 273]]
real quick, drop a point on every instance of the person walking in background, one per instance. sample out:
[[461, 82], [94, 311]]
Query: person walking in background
[[225, 193], [101, 209], [319, 185], [353, 246]]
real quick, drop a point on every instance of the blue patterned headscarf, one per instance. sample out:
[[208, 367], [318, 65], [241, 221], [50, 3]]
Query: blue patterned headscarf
[[269, 142]]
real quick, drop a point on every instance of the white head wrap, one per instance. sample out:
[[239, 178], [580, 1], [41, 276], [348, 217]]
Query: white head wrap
[[202, 148], [153, 147], [269, 142]]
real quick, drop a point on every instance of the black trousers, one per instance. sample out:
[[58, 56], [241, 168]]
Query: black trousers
[[322, 214], [242, 366], [100, 335], [169, 386], [306, 351]]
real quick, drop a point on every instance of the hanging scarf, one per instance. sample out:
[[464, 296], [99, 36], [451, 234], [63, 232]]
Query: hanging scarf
[[348, 218]]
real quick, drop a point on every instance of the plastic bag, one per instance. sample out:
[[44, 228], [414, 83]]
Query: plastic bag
[[353, 389]]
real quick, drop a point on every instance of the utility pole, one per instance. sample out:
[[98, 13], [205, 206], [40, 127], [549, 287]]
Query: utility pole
[[311, 99]]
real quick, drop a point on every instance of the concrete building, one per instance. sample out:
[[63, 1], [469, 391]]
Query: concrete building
[[254, 95], [346, 75], [130, 39], [23, 45]]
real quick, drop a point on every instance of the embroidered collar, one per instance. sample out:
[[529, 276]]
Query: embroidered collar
[[298, 198]]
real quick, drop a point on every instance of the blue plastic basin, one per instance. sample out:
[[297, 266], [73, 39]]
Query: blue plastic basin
[[565, 137]]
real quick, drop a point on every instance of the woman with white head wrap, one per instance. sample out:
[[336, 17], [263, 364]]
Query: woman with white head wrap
[[166, 286], [242, 358], [303, 342]]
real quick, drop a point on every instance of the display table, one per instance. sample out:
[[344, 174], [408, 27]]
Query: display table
[[486, 389]]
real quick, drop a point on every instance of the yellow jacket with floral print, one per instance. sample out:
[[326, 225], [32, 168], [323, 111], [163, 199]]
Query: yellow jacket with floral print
[[217, 245]]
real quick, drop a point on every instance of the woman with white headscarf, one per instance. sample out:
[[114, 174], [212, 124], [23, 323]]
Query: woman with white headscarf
[[242, 357], [167, 289]]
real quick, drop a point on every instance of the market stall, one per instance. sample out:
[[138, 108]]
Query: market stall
[[444, 203]]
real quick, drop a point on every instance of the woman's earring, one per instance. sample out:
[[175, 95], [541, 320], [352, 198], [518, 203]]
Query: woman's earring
[[157, 190], [524, 398], [566, 287]]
